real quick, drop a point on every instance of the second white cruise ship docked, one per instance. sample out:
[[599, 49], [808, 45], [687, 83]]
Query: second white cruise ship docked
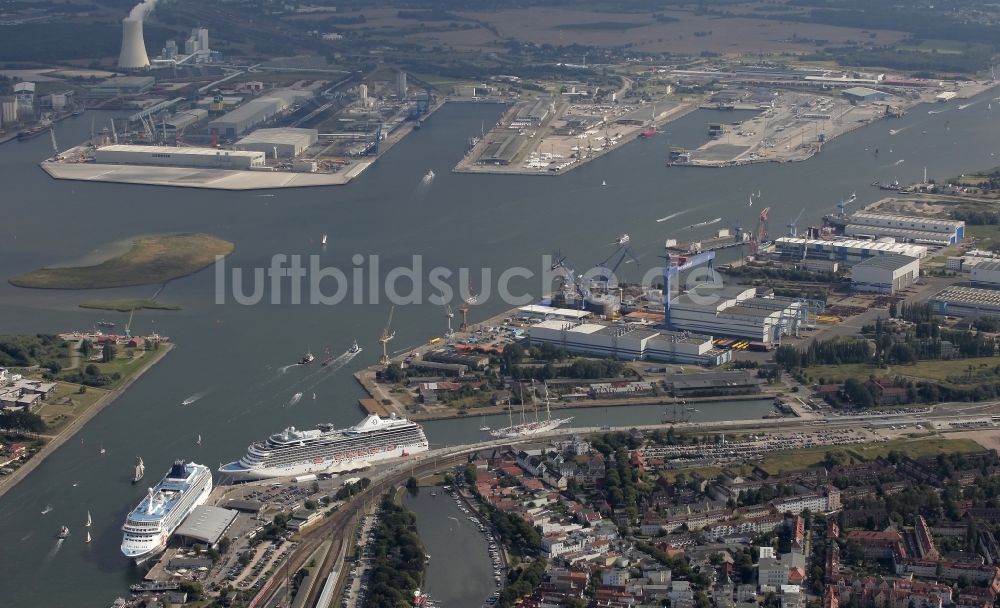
[[329, 450], [148, 527]]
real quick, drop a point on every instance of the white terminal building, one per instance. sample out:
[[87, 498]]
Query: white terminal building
[[737, 312], [847, 251], [907, 228], [279, 143], [179, 157], [886, 274], [629, 342], [257, 111]]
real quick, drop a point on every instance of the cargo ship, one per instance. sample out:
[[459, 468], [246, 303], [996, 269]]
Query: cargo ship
[[34, 131]]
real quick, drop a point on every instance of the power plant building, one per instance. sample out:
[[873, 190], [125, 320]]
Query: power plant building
[[735, 312], [256, 111], [907, 228], [848, 251], [179, 157], [133, 52], [885, 274], [628, 342], [279, 143]]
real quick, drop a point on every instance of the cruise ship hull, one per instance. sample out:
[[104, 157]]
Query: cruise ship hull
[[141, 550], [239, 472]]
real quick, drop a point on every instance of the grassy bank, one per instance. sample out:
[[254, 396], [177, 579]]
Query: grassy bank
[[941, 370], [127, 305], [152, 259], [794, 460]]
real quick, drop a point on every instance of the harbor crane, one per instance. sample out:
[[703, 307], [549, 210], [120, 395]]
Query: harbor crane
[[571, 282], [465, 312], [387, 334], [128, 326], [844, 203], [623, 251], [450, 315], [671, 273], [792, 230]]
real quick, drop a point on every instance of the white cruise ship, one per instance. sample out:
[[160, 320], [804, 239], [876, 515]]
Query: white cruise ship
[[329, 450], [148, 527]]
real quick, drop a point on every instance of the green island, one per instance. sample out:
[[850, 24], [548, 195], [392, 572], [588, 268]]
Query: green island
[[152, 259], [128, 304]]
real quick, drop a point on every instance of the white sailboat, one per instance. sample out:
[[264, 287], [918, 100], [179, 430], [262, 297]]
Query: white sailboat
[[86, 538], [140, 470], [198, 442], [323, 241], [89, 521], [102, 449]]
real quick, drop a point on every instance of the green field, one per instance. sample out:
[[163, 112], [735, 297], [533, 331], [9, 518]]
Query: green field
[[793, 460], [127, 305], [67, 404], [152, 259], [940, 370], [987, 236]]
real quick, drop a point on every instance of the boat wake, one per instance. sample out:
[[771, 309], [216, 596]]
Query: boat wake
[[967, 105], [427, 179], [295, 399], [672, 216], [193, 398], [899, 162], [285, 368], [55, 549]]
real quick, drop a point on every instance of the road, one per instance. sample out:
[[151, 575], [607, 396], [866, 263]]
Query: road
[[340, 526]]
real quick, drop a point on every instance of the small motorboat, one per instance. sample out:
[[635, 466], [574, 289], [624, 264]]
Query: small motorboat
[[355, 349], [307, 358], [63, 532]]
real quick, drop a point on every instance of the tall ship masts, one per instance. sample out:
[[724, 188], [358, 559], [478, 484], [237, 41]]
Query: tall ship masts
[[532, 428], [139, 472]]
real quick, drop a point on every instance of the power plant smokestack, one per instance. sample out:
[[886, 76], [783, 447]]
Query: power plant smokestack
[[133, 54]]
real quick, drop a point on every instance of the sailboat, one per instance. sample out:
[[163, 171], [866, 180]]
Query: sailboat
[[323, 241], [87, 539], [532, 428], [603, 183], [89, 521], [140, 470], [102, 449], [198, 441], [485, 428]]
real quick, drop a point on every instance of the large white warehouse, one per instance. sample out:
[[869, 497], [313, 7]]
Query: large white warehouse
[[256, 111], [284, 143], [910, 228], [849, 251], [886, 274], [986, 274], [179, 157], [630, 342], [737, 312]]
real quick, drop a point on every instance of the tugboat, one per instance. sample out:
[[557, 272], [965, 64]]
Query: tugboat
[[63, 532], [355, 349], [307, 358]]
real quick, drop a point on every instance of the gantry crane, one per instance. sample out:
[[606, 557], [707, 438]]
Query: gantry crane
[[792, 230], [387, 334], [465, 312]]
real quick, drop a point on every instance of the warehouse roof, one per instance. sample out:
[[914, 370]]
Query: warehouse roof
[[861, 216], [185, 151], [280, 136], [886, 262], [862, 92], [988, 266], [970, 296], [206, 524]]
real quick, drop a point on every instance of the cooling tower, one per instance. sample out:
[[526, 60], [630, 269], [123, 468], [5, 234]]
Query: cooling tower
[[133, 55]]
